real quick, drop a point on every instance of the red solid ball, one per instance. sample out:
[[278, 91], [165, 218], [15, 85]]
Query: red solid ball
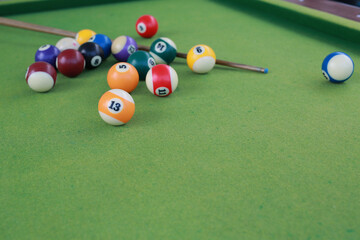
[[146, 26], [70, 62]]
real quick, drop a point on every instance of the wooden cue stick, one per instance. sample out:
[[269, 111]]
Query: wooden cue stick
[[60, 32]]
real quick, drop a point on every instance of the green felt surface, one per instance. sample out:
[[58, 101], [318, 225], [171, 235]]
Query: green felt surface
[[229, 155]]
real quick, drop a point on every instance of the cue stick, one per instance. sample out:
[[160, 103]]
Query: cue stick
[[64, 33]]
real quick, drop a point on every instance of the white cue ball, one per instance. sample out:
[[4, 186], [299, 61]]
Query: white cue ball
[[67, 43]]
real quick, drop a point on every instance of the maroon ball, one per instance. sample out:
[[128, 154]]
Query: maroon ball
[[70, 62], [41, 76]]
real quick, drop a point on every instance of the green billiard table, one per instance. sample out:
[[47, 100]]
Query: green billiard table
[[231, 154]]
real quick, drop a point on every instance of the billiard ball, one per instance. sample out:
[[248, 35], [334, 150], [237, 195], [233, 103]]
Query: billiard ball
[[116, 107], [143, 62], [163, 50], [41, 76], [92, 53], [122, 47], [337, 67], [70, 62], [47, 53], [123, 76], [161, 80], [67, 43], [104, 42], [84, 35], [201, 58], [146, 26]]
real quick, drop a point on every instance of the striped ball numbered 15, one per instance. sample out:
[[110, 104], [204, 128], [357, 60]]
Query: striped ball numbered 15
[[201, 58], [162, 80], [41, 76], [163, 50], [116, 107]]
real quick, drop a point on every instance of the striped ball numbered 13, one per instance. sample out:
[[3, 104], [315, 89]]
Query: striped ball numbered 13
[[116, 107]]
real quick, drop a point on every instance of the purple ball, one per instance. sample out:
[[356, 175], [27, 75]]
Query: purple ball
[[122, 47], [47, 53]]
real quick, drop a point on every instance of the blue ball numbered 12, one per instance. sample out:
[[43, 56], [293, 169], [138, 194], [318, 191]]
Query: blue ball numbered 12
[[163, 50], [122, 47], [337, 67]]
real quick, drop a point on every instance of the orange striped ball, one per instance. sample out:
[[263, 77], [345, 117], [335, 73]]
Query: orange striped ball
[[116, 107]]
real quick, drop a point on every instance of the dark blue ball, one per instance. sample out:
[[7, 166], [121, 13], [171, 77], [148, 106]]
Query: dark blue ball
[[47, 53]]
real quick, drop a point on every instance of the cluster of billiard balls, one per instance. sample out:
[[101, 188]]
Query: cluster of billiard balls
[[70, 56], [88, 50]]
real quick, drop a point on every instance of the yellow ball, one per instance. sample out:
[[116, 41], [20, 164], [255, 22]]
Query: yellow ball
[[84, 35], [201, 58]]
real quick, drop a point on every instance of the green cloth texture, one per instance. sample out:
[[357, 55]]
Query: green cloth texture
[[231, 154]]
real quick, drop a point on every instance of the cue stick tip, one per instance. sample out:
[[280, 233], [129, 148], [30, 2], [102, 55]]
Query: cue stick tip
[[266, 70]]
